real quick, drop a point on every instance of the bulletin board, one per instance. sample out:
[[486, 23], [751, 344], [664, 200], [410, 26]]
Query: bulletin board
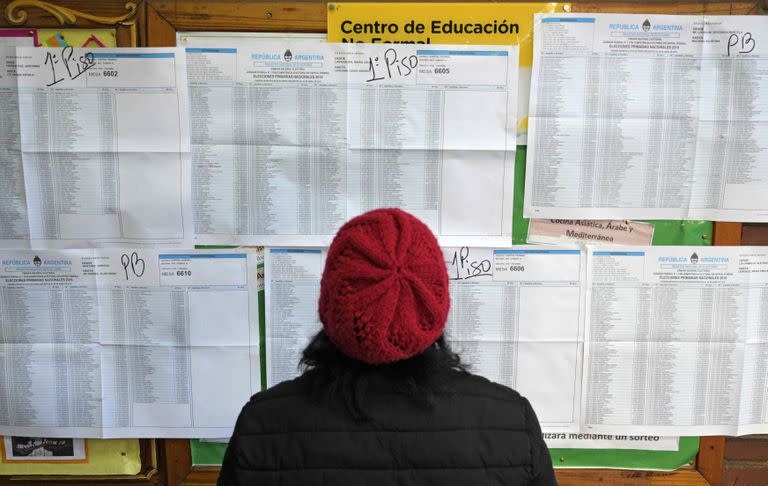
[[155, 23], [107, 23], [628, 459], [701, 459], [694, 233], [103, 457], [208, 454]]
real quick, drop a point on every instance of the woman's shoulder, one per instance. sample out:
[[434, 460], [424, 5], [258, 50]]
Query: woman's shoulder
[[463, 399], [457, 384], [465, 383], [276, 408], [284, 391]]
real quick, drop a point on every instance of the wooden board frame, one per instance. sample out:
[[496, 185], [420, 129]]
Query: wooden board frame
[[167, 17], [122, 15], [154, 23], [150, 473], [127, 18]]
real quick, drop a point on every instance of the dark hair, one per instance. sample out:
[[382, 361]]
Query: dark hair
[[334, 375]]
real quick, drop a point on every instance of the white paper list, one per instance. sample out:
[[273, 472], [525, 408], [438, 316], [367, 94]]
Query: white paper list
[[676, 340], [127, 343], [95, 148], [292, 289], [648, 117], [496, 322], [292, 138], [516, 319]]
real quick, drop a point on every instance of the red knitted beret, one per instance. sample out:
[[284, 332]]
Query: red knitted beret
[[384, 293]]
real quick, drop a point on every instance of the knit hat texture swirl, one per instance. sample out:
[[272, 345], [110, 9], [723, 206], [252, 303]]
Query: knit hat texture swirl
[[384, 292]]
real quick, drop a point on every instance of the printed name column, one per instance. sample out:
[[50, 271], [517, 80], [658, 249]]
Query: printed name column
[[49, 345], [211, 74], [666, 340], [292, 290], [100, 131], [14, 225], [515, 311], [563, 65]]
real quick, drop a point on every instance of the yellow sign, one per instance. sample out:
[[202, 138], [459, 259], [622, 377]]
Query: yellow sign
[[105, 457], [439, 23], [92, 38], [88, 38]]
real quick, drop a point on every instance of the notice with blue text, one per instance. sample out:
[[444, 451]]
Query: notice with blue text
[[291, 138], [127, 343], [648, 117], [94, 148]]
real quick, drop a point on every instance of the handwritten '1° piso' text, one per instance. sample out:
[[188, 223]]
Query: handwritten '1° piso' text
[[391, 66], [65, 66], [463, 266]]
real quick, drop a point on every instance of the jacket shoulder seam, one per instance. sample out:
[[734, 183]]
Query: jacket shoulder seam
[[385, 430]]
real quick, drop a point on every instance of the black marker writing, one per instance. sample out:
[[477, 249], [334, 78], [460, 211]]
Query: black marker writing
[[372, 63], [136, 264], [74, 67], [395, 66], [52, 60], [464, 268], [745, 42]]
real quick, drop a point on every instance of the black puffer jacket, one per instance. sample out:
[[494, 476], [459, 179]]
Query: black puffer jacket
[[480, 433]]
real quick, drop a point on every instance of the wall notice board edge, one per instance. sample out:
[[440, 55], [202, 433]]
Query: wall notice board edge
[[124, 16], [155, 23], [127, 20], [167, 17]]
